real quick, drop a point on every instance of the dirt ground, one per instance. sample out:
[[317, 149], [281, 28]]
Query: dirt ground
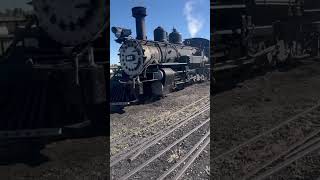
[[259, 104], [83, 159], [133, 118], [136, 117]]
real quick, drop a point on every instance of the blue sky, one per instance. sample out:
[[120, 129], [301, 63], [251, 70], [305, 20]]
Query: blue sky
[[189, 17]]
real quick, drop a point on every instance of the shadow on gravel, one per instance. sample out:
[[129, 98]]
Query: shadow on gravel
[[31, 159], [119, 109], [235, 79], [28, 152], [146, 100], [116, 109]]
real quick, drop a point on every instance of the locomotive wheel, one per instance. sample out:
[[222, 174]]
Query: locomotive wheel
[[202, 78], [271, 60], [264, 62], [198, 78], [189, 80], [157, 88], [282, 55], [295, 49]]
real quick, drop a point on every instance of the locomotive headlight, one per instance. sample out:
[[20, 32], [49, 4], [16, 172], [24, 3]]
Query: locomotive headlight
[[131, 58], [121, 33]]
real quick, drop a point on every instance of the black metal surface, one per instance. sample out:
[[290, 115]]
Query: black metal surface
[[122, 93], [37, 98], [160, 34], [140, 13], [94, 84], [175, 37], [200, 43]]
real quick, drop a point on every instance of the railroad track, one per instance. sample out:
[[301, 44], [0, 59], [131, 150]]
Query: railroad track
[[287, 158], [270, 151], [152, 129], [156, 149]]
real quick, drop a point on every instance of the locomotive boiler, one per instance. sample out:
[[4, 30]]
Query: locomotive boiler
[[155, 68]]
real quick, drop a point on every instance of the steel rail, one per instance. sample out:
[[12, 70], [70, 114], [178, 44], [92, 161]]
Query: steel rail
[[126, 176], [125, 138], [193, 158], [195, 147], [288, 161], [138, 146], [302, 147], [147, 140], [150, 138], [268, 131], [290, 149], [176, 112], [164, 134]]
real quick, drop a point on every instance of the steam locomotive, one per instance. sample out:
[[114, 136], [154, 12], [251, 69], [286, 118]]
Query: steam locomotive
[[155, 68], [262, 33], [53, 70]]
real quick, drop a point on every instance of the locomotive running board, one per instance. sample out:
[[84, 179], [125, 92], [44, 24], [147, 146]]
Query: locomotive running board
[[78, 125], [231, 64], [119, 103], [44, 132], [123, 103], [31, 133]]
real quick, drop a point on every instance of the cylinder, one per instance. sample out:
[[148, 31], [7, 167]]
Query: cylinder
[[139, 13]]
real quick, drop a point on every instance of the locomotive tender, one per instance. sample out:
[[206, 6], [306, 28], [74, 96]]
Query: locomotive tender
[[262, 33], [155, 68]]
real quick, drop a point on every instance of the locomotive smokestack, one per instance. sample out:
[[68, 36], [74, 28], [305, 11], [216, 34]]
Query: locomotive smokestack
[[139, 13]]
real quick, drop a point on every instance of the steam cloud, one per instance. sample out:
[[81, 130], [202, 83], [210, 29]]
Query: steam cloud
[[135, 3], [195, 21]]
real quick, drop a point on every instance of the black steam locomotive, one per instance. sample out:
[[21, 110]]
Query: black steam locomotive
[[263, 33], [52, 70], [154, 68]]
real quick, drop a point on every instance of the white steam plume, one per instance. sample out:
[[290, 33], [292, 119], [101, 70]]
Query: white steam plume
[[195, 22], [135, 3]]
